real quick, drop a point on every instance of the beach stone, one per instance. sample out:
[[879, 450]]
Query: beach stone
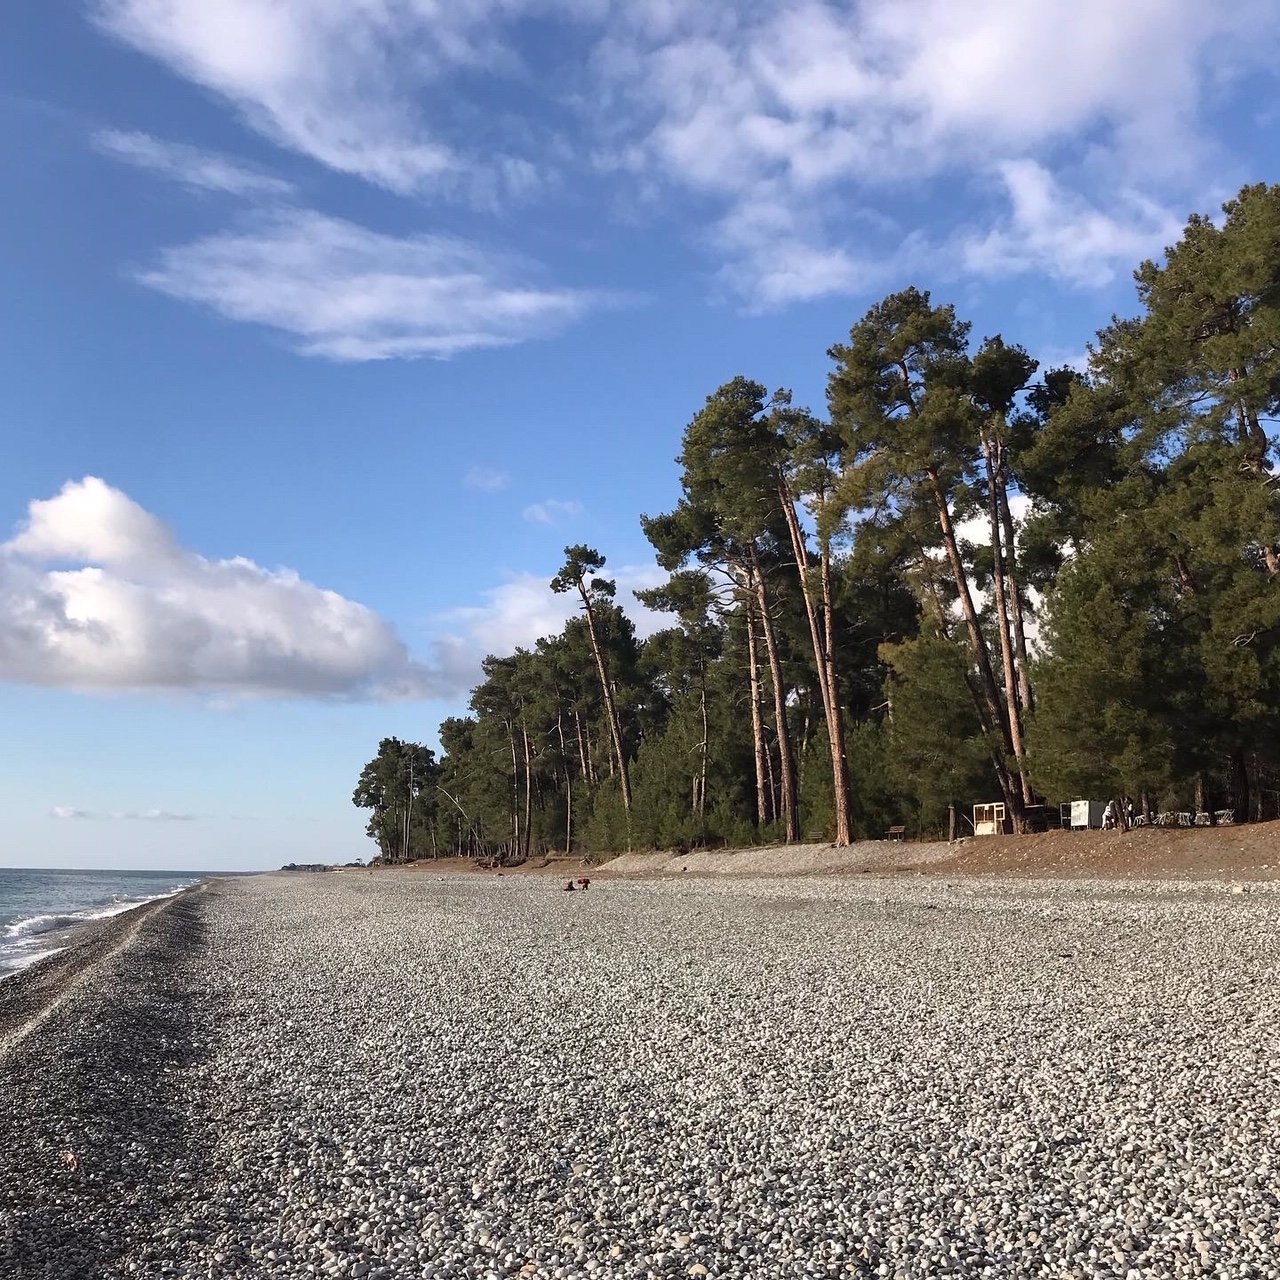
[[409, 1075]]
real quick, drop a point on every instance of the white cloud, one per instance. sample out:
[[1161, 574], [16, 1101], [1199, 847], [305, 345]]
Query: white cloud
[[786, 121], [522, 610], [793, 114], [486, 479], [192, 167], [340, 81], [97, 595], [154, 815], [551, 511], [146, 815], [1061, 235], [347, 293]]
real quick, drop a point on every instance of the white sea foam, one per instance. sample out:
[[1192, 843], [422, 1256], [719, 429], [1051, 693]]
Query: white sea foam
[[26, 940]]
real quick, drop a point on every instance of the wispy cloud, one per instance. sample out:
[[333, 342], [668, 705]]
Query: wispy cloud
[[775, 131], [1058, 234], [486, 479], [552, 511], [341, 83], [792, 117], [347, 293], [190, 166], [145, 815], [97, 594], [153, 815]]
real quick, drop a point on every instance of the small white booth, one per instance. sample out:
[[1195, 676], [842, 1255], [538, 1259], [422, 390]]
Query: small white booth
[[1083, 815]]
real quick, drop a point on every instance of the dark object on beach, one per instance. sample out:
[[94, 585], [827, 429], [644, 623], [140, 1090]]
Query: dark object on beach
[[71, 1160], [568, 886], [584, 882]]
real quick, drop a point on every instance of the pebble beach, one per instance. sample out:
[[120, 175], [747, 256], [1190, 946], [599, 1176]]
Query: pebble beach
[[387, 1076]]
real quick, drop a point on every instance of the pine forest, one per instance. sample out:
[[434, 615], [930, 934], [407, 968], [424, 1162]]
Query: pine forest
[[845, 655]]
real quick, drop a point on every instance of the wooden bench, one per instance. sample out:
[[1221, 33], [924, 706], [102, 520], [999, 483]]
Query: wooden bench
[[898, 834]]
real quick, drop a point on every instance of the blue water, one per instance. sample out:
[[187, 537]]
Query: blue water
[[37, 905]]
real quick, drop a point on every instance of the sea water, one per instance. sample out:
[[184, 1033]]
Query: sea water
[[38, 906]]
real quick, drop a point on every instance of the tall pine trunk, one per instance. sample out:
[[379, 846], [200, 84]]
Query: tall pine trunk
[[1025, 691], [786, 759], [606, 689], [1012, 701], [822, 659], [988, 701], [763, 813]]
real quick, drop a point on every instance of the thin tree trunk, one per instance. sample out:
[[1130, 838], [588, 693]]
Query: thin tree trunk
[[701, 807], [568, 787], [786, 761], [606, 689], [1013, 711], [515, 789], [757, 725], [582, 751], [835, 726], [988, 700], [821, 659], [1025, 692], [528, 791]]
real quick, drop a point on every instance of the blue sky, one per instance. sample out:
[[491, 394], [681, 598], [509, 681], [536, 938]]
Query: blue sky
[[327, 325]]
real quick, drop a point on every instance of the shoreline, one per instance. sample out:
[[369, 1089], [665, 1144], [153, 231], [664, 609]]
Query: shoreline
[[53, 942], [49, 977], [93, 1117]]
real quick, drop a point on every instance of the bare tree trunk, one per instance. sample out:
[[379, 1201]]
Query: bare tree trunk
[[771, 777], [835, 726], [568, 787], [1025, 691], [757, 724], [528, 791], [786, 761], [582, 751], [988, 701], [1013, 711], [515, 789], [606, 689], [821, 658], [701, 807]]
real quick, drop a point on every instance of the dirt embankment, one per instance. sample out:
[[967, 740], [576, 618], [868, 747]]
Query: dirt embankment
[[1249, 852]]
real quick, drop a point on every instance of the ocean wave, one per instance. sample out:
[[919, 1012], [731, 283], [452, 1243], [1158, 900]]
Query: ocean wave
[[25, 941]]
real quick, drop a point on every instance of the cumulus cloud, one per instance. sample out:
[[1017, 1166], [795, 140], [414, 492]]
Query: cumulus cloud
[[96, 594], [521, 611], [486, 479], [347, 293], [66, 811], [190, 166], [551, 511]]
